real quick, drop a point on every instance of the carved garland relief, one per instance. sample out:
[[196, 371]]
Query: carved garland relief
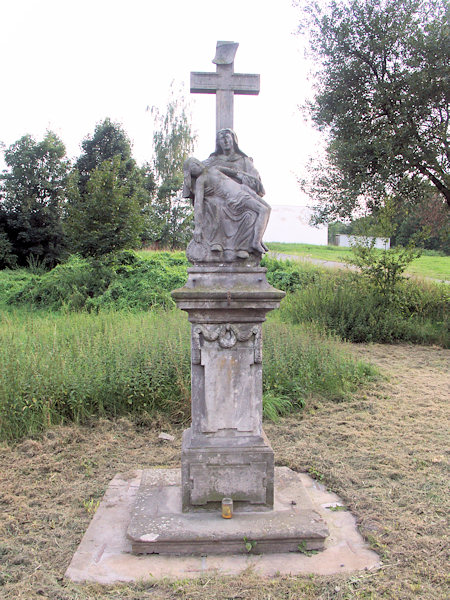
[[227, 336]]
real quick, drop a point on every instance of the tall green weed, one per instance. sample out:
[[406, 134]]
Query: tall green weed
[[345, 303], [299, 362], [356, 313], [58, 368]]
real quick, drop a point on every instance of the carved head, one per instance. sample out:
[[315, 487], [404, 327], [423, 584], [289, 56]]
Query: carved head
[[192, 168], [221, 134]]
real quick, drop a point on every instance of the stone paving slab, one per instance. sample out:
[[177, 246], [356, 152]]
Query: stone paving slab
[[104, 554]]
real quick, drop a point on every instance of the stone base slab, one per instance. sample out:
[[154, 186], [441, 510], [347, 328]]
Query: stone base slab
[[104, 555], [158, 525]]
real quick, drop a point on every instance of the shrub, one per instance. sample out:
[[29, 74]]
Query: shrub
[[12, 281], [356, 312], [68, 285], [383, 269], [361, 307], [116, 281], [290, 276]]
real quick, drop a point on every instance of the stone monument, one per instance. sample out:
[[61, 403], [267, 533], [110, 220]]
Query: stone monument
[[227, 297]]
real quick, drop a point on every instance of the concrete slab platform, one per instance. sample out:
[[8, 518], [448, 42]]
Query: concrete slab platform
[[105, 554], [158, 525]]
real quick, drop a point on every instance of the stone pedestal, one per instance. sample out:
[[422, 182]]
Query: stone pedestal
[[243, 472], [225, 452]]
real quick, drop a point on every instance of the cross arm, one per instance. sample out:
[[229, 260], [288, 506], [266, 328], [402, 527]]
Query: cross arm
[[239, 83], [245, 84], [204, 83]]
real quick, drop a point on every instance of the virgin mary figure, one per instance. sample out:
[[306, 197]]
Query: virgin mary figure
[[230, 215]]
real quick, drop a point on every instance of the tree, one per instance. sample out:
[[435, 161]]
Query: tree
[[383, 99], [32, 192], [7, 256], [108, 194], [429, 218], [170, 218], [106, 217], [108, 141]]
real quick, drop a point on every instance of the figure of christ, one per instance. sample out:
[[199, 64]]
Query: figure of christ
[[228, 154], [228, 215]]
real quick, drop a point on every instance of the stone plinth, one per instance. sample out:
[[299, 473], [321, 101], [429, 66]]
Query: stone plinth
[[234, 468], [225, 452], [105, 554], [159, 526]]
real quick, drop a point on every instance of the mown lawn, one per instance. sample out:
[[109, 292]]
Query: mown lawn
[[435, 267]]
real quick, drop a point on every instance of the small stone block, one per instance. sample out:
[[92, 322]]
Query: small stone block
[[166, 436], [243, 472]]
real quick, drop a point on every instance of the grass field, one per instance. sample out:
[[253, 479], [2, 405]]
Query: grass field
[[381, 446], [383, 451], [435, 267], [80, 365]]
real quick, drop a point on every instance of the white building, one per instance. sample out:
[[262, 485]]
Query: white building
[[291, 224], [349, 240]]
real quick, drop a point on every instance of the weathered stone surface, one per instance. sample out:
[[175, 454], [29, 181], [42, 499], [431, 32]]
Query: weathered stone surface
[[104, 555], [158, 524], [230, 215], [227, 297], [230, 356], [227, 294], [224, 83], [166, 437], [241, 468], [224, 453]]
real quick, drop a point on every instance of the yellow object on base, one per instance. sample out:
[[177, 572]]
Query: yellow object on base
[[227, 508]]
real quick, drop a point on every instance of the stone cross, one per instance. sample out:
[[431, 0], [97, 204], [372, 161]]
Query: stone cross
[[224, 83], [225, 453]]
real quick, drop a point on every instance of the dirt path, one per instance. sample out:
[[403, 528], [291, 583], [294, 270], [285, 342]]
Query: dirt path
[[385, 452], [333, 264]]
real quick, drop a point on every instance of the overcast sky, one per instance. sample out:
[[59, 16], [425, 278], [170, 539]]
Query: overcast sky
[[67, 65]]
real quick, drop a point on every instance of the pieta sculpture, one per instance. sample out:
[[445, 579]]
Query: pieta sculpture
[[230, 214]]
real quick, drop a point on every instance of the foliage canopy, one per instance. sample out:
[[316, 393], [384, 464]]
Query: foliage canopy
[[106, 217], [108, 141], [382, 97], [170, 216], [107, 192], [32, 190]]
